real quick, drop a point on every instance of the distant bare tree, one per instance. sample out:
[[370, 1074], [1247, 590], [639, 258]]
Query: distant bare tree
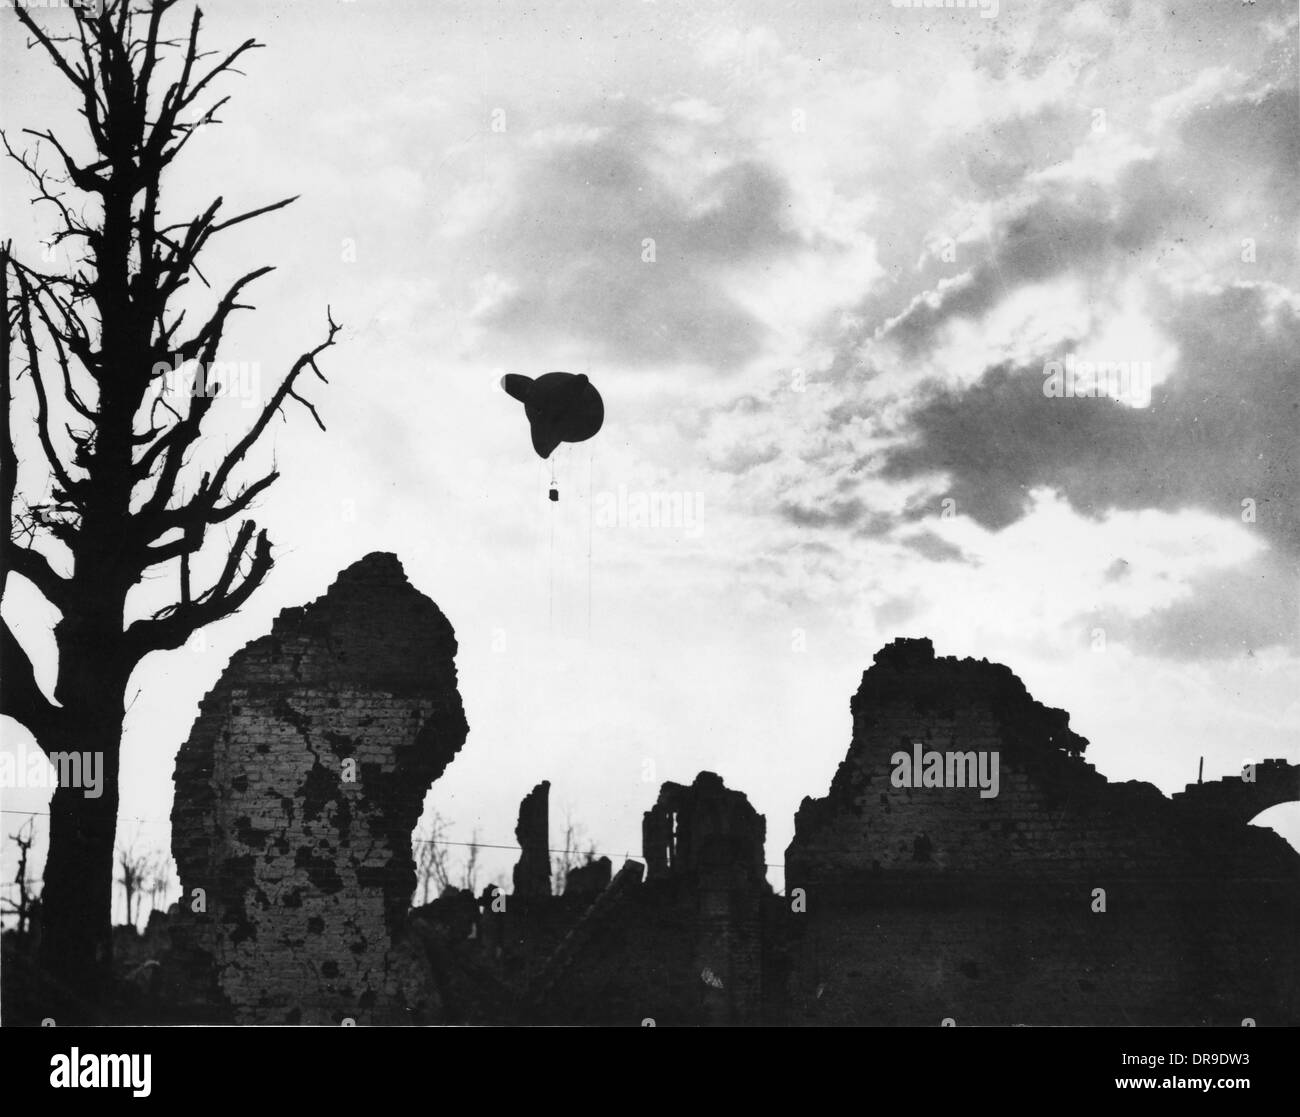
[[159, 882], [432, 876], [23, 908], [133, 869], [469, 879], [571, 856]]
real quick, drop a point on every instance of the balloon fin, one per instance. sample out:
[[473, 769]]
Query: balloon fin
[[544, 442], [517, 386]]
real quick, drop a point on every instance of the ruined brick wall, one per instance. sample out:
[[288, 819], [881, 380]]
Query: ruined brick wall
[[532, 872], [915, 904], [928, 902], [683, 947], [1244, 795], [706, 824], [703, 846], [586, 882], [637, 963], [296, 794]]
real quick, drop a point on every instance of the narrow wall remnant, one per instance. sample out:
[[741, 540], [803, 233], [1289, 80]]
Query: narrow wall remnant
[[706, 841], [706, 824], [296, 794], [532, 874]]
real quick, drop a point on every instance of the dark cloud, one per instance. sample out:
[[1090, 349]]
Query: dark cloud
[[1252, 138], [933, 547], [842, 514], [1223, 428], [849, 514], [573, 243], [1245, 149], [1069, 227]]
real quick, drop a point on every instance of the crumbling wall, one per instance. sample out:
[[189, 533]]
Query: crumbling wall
[[704, 843], [586, 882], [1062, 899], [1246, 794], [684, 946], [605, 917], [691, 829], [296, 794], [532, 872]]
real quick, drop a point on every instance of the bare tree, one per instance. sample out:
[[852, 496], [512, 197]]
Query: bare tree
[[23, 908], [469, 878], [571, 856], [134, 869], [159, 882], [432, 870], [114, 488]]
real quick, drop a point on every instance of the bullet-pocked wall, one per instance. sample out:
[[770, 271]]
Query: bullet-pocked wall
[[296, 794], [966, 865], [1045, 895]]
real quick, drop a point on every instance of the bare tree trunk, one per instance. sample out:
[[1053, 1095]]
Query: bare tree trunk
[[123, 502], [76, 947]]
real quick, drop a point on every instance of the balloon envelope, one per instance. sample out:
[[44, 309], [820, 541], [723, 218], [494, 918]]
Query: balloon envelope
[[560, 406]]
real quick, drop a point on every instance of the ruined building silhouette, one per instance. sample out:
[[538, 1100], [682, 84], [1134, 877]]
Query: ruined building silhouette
[[1061, 899], [296, 795], [1065, 899]]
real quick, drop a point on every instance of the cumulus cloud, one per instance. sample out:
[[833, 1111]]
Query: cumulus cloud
[[1162, 236], [1220, 431], [628, 240], [1075, 226]]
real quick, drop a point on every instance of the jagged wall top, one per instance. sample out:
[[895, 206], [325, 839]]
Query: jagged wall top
[[908, 670], [347, 636]]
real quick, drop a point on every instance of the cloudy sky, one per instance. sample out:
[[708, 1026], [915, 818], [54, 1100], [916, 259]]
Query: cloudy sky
[[816, 257]]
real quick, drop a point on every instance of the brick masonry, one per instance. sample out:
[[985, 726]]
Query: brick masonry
[[705, 844], [926, 903], [685, 945], [296, 795], [1064, 899]]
